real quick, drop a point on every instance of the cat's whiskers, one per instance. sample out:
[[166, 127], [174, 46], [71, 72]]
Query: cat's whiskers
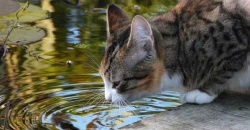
[[101, 101], [92, 67], [105, 103], [121, 103], [128, 106], [114, 101], [92, 58], [97, 99], [119, 106], [89, 96], [113, 106], [93, 96], [117, 102]]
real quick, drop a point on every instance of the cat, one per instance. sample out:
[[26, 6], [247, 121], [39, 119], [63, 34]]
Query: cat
[[200, 48]]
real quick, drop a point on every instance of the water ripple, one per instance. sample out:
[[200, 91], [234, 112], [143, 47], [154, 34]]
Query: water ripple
[[78, 106]]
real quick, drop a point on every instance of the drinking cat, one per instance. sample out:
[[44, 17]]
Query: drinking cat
[[200, 48]]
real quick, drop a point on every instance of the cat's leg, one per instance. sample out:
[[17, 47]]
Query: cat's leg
[[198, 97]]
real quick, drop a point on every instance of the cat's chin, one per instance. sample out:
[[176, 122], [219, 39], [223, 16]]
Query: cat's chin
[[117, 98]]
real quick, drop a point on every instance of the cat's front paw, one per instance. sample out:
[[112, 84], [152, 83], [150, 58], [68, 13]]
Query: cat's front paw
[[196, 96]]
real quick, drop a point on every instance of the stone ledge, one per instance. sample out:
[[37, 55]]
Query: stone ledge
[[229, 111]]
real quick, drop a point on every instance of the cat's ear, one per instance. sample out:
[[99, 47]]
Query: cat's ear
[[115, 17], [141, 33]]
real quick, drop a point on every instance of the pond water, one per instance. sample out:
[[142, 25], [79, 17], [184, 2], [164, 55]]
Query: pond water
[[47, 94]]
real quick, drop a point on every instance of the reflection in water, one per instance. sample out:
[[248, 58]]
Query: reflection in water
[[47, 94], [73, 20]]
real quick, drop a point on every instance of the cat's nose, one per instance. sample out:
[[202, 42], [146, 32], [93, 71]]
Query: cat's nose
[[108, 98]]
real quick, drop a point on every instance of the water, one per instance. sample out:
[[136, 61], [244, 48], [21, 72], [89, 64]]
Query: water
[[47, 94]]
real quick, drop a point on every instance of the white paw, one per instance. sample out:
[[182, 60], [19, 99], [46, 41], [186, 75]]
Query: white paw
[[196, 96]]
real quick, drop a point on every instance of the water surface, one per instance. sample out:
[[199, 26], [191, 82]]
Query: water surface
[[47, 94]]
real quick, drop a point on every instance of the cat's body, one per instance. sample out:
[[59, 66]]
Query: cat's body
[[199, 48]]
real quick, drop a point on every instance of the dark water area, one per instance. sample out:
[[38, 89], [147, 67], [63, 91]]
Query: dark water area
[[48, 94]]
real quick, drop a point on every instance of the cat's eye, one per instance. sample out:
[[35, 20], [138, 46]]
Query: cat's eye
[[136, 78], [148, 57], [115, 84]]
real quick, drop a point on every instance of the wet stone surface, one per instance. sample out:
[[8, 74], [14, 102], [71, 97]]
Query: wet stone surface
[[229, 111]]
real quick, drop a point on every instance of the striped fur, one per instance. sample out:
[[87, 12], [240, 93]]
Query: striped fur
[[200, 47]]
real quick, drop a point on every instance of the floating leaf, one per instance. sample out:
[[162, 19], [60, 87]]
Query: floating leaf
[[5, 25], [31, 14], [23, 35], [8, 6]]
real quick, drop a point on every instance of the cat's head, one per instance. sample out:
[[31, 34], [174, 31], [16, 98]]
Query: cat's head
[[131, 68]]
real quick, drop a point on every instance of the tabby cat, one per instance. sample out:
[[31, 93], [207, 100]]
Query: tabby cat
[[200, 48]]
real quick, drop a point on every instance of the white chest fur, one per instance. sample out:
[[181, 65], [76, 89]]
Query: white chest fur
[[172, 83]]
